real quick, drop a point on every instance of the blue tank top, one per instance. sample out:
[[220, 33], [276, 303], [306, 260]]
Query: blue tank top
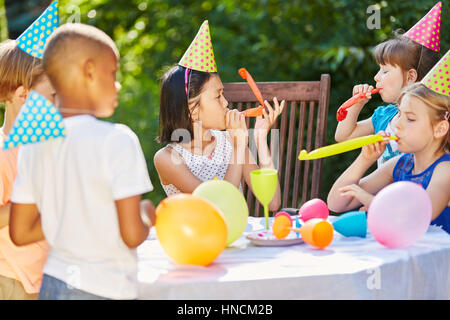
[[403, 172], [381, 118]]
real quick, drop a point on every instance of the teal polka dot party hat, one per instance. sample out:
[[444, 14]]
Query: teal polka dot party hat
[[38, 120], [33, 39]]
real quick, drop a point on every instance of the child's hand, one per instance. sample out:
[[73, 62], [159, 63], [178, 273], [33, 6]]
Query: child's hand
[[149, 209], [373, 151], [236, 126], [363, 88], [265, 122], [355, 191]]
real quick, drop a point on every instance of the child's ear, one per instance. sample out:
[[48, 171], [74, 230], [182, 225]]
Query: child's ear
[[441, 129], [21, 95], [194, 109], [195, 114], [411, 76], [89, 69]]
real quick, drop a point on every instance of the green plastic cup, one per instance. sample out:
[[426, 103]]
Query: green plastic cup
[[264, 184]]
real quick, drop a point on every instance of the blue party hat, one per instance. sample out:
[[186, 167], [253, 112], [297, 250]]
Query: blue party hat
[[33, 39], [38, 120]]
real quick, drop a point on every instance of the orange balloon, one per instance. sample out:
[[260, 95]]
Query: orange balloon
[[317, 232], [191, 230]]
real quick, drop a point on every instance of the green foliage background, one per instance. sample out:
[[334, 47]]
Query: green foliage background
[[276, 40]]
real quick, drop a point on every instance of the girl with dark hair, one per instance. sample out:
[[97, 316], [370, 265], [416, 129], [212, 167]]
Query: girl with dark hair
[[205, 139]]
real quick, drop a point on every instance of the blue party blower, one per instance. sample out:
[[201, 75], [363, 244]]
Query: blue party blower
[[352, 224]]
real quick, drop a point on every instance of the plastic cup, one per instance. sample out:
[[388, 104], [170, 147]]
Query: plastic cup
[[317, 233], [352, 224], [281, 227]]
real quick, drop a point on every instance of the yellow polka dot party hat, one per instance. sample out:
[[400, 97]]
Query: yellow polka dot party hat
[[438, 79]]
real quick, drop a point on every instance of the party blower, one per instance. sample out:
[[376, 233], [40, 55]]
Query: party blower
[[316, 232], [342, 111], [252, 112], [342, 147]]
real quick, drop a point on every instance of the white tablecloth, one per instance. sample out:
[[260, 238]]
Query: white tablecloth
[[349, 268]]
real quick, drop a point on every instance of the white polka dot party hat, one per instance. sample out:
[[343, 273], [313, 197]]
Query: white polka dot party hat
[[438, 79], [38, 120], [200, 56], [427, 31], [33, 39]]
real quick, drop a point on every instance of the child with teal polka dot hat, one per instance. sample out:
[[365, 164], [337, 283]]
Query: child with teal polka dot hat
[[20, 74], [86, 187]]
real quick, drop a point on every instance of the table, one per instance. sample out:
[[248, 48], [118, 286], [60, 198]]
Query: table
[[350, 268]]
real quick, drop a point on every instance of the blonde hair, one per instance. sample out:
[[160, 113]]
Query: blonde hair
[[17, 68], [438, 106]]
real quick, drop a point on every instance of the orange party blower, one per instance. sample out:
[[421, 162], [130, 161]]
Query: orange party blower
[[253, 112], [342, 111]]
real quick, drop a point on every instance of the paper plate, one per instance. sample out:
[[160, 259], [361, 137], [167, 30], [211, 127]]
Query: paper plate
[[265, 238]]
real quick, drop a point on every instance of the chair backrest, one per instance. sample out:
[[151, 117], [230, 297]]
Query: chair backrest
[[302, 125]]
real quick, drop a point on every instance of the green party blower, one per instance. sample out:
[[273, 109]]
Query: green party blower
[[342, 147], [264, 184]]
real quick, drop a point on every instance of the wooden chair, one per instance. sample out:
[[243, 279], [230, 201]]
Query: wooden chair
[[302, 125]]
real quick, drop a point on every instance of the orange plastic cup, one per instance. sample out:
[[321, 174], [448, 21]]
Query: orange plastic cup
[[281, 227], [317, 233]]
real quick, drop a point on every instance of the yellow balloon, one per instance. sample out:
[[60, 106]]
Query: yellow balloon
[[191, 230], [342, 147], [230, 202]]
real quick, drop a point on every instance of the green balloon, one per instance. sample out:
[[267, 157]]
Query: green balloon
[[231, 203]]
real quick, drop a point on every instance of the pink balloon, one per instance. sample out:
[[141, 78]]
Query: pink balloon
[[400, 214], [314, 208]]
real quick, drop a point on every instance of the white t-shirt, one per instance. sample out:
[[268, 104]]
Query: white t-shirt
[[74, 182]]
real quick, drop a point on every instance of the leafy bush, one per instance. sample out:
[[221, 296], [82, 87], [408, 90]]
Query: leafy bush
[[276, 40]]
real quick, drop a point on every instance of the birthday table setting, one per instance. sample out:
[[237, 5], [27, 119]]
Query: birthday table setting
[[208, 246], [205, 246]]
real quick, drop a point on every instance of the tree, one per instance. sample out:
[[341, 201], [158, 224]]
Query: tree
[[275, 40], [3, 21]]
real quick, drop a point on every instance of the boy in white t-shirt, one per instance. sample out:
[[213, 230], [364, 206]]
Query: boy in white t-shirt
[[83, 192]]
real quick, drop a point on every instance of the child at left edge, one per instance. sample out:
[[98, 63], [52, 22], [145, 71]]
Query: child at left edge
[[423, 132], [82, 192]]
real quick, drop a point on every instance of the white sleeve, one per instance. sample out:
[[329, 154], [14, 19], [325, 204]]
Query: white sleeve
[[23, 191], [125, 163]]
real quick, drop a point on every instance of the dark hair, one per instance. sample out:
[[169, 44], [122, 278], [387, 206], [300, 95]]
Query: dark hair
[[174, 112], [407, 54]]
